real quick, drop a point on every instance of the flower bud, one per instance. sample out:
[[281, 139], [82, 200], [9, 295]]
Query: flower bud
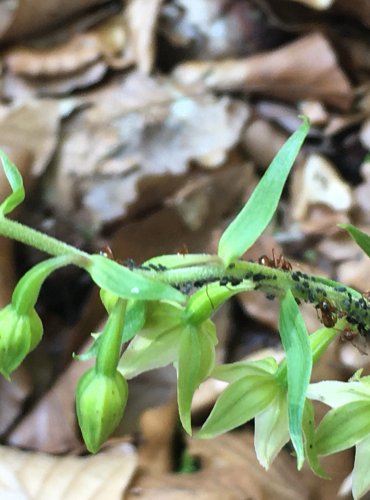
[[100, 402], [19, 335]]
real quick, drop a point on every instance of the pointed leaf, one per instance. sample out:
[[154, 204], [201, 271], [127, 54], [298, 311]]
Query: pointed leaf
[[250, 223], [361, 238], [127, 284], [343, 427], [196, 360], [240, 401], [296, 344], [309, 441]]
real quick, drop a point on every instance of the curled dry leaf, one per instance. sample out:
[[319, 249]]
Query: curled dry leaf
[[317, 182], [78, 62], [37, 475], [105, 41], [304, 69], [142, 17], [20, 18]]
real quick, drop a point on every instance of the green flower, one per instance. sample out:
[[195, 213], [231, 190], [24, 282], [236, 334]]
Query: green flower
[[346, 425], [19, 335], [100, 403]]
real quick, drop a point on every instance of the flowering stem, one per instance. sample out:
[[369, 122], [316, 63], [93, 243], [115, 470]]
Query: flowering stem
[[28, 236]]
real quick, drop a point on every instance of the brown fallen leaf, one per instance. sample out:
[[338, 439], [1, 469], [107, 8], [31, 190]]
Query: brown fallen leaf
[[317, 182], [304, 69], [141, 142], [142, 17], [105, 41], [229, 471], [31, 131], [37, 475], [24, 18]]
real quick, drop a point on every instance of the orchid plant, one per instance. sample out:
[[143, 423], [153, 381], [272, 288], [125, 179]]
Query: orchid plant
[[161, 312]]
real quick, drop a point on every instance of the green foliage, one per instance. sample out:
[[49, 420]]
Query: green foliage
[[248, 226], [295, 341], [148, 310], [362, 239], [16, 183]]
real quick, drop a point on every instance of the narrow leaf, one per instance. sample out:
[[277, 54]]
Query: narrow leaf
[[249, 224], [296, 344], [361, 476], [362, 239], [188, 371], [240, 401], [309, 441], [16, 183], [196, 360], [127, 284]]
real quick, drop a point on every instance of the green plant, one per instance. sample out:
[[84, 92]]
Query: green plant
[[147, 307]]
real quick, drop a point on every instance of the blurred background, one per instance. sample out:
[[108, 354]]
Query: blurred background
[[144, 125]]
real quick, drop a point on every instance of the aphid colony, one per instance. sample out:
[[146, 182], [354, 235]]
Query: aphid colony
[[307, 288]]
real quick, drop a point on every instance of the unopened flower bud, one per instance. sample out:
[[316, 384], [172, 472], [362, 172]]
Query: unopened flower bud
[[19, 335], [101, 401]]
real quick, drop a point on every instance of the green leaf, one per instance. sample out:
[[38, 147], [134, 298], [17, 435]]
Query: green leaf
[[196, 360], [127, 284], [296, 344], [16, 183], [343, 427], [361, 476], [240, 401], [362, 239], [249, 224], [229, 372], [309, 441], [157, 344], [188, 374]]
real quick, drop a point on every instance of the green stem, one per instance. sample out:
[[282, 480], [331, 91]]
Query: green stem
[[28, 236]]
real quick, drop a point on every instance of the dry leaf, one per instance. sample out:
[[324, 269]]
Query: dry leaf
[[115, 153], [304, 69], [317, 182], [27, 475], [142, 17], [229, 471], [32, 130], [21, 18]]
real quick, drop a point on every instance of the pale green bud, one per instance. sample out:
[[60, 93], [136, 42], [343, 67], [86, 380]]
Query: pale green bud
[[100, 402], [19, 335]]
